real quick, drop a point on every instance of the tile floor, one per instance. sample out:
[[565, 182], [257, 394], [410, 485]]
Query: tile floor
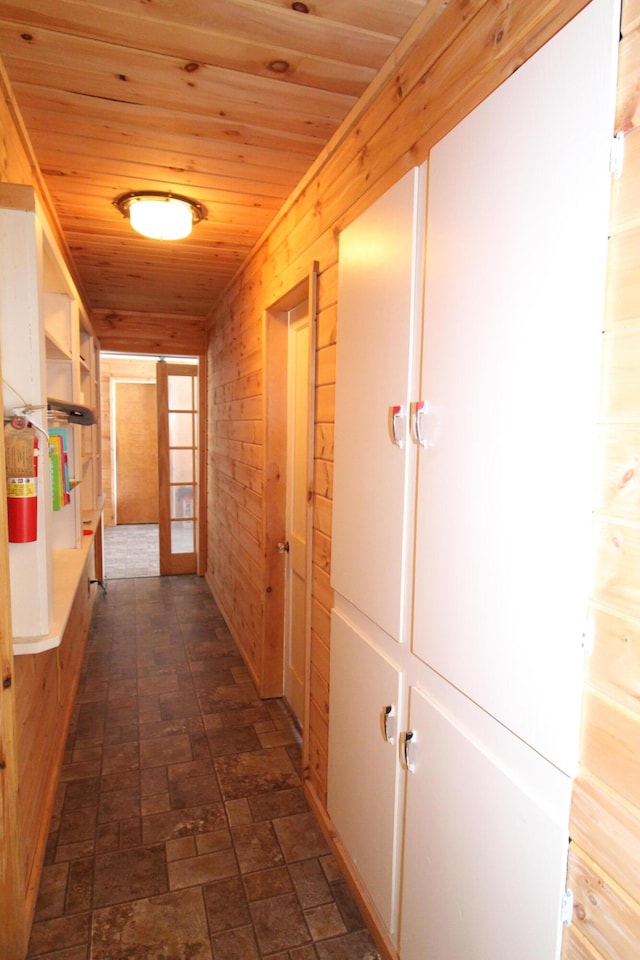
[[131, 550], [180, 830]]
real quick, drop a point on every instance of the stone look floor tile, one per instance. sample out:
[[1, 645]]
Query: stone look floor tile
[[180, 828]]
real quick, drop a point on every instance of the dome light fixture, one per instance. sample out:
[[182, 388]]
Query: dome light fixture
[[160, 215]]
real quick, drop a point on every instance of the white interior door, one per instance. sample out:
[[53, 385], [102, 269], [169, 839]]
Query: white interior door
[[379, 302], [297, 508], [516, 258], [485, 858]]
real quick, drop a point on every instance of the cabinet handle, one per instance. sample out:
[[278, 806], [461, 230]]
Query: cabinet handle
[[397, 413], [420, 410], [409, 740], [389, 721]]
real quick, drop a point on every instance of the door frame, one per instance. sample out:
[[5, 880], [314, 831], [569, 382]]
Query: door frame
[[175, 563], [275, 346]]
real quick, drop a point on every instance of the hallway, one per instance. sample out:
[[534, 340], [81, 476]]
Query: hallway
[[180, 829]]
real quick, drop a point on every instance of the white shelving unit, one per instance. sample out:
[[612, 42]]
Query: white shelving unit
[[49, 350]]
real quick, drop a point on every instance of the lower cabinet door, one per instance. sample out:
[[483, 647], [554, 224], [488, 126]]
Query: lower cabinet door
[[364, 773], [484, 861]]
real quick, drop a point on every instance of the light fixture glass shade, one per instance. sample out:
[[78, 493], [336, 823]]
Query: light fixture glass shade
[[161, 218]]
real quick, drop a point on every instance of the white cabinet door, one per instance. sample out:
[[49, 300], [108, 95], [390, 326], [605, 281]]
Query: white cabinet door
[[364, 775], [516, 257], [379, 302], [484, 861]]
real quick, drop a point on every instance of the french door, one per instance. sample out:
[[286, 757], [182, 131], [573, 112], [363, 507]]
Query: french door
[[177, 386]]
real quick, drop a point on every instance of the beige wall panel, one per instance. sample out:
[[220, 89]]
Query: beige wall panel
[[325, 403], [623, 290], [245, 499], [625, 191], [141, 333], [328, 287], [611, 745], [249, 477], [320, 656], [322, 551], [324, 441], [249, 431], [617, 575], [628, 101], [322, 515], [618, 486], [247, 453], [326, 365], [320, 621], [630, 16], [323, 478], [621, 356], [322, 590], [320, 691], [607, 917], [576, 947], [248, 386], [607, 828], [613, 668]]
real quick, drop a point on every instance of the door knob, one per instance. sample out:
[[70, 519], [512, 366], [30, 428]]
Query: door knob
[[283, 547]]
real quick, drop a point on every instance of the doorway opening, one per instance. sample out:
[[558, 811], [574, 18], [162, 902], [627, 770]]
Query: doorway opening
[[151, 439]]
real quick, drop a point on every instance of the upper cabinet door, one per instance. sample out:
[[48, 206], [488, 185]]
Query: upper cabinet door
[[515, 276], [379, 306]]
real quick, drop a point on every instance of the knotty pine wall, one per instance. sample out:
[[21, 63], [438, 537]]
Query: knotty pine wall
[[435, 80], [115, 368], [604, 862], [15, 167], [164, 334]]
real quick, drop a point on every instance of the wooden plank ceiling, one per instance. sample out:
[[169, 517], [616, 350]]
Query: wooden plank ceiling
[[226, 101]]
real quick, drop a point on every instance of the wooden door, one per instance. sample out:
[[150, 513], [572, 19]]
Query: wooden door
[[297, 508], [485, 841], [177, 414], [516, 258], [379, 303], [136, 467]]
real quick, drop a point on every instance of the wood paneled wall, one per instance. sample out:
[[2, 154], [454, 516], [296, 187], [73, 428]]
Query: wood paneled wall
[[14, 920], [169, 335], [452, 60], [604, 860], [115, 368], [37, 692]]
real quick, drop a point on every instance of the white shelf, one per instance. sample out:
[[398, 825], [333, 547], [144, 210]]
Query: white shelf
[[67, 571], [48, 350]]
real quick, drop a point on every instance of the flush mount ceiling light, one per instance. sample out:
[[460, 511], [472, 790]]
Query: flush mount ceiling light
[[161, 216]]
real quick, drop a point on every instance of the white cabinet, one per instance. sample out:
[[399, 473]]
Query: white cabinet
[[461, 557], [380, 293], [48, 352], [365, 776], [485, 838]]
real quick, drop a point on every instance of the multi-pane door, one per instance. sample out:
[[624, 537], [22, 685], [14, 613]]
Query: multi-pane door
[[177, 386]]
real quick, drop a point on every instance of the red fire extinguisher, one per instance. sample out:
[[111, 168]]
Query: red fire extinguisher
[[22, 489]]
